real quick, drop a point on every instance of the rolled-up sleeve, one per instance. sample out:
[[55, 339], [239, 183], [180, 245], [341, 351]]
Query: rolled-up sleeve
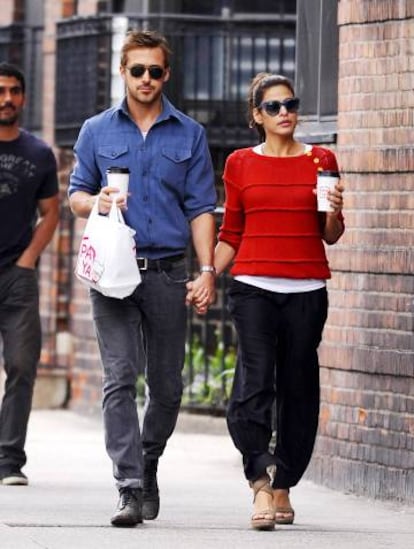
[[85, 175], [200, 193]]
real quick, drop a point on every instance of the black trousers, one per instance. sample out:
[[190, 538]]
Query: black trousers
[[277, 372], [20, 331]]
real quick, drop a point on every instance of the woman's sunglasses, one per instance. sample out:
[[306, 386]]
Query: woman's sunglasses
[[272, 108], [155, 71]]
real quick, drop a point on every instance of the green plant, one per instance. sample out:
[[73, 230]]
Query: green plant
[[208, 379], [141, 388]]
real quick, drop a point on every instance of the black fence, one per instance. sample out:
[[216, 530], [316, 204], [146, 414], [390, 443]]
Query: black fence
[[210, 350], [21, 45], [83, 74], [213, 62], [12, 44]]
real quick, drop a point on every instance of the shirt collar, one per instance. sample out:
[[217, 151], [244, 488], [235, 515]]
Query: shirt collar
[[168, 109]]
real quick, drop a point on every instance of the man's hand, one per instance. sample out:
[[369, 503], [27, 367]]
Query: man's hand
[[105, 198], [201, 292]]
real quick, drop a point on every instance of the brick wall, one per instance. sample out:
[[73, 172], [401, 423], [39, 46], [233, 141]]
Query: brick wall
[[86, 370], [75, 316], [64, 304], [366, 435]]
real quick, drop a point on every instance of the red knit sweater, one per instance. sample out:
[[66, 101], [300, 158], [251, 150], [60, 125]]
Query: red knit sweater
[[270, 215]]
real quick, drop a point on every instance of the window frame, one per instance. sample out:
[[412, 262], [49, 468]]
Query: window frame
[[316, 77]]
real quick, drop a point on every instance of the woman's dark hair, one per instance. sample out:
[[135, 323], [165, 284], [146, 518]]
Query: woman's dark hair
[[260, 83], [145, 39], [7, 69]]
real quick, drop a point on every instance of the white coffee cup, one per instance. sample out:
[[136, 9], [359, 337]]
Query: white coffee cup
[[326, 181], [118, 177]]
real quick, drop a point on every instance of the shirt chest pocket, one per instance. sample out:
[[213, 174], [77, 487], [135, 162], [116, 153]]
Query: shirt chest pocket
[[174, 165], [112, 155]]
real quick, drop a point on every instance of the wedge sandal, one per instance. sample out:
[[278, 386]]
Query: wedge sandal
[[263, 519], [284, 515]]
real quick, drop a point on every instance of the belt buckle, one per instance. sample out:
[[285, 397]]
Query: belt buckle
[[142, 263]]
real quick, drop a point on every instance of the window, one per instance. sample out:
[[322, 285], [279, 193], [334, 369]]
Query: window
[[33, 63], [21, 44], [317, 67], [220, 64], [207, 7], [264, 6]]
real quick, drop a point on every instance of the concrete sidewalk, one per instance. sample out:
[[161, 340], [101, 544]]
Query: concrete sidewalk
[[205, 503]]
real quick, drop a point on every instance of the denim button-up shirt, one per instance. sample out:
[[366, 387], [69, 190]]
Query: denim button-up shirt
[[171, 174]]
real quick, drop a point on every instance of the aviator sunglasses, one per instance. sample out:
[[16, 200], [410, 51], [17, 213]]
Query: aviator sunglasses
[[155, 71], [272, 108]]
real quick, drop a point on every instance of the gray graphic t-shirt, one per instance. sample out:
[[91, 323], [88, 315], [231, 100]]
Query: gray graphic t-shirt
[[28, 174]]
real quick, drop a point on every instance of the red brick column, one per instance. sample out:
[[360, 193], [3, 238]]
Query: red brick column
[[58, 355]]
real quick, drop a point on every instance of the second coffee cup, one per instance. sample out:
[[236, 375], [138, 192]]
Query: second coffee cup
[[326, 181]]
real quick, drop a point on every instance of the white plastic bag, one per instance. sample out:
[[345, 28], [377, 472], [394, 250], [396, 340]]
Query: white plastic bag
[[107, 258]]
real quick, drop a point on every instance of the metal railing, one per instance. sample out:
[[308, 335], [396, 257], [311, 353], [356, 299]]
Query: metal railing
[[83, 70], [21, 45], [11, 44], [213, 62]]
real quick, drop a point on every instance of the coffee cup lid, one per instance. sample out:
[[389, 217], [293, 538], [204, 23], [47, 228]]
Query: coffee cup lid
[[117, 169], [328, 173]]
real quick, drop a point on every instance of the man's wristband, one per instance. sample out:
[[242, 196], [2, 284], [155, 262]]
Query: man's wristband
[[208, 269]]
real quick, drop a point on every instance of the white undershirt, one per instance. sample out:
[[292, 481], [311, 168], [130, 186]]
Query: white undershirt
[[282, 285]]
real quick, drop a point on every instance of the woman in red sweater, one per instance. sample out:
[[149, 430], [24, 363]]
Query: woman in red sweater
[[273, 236]]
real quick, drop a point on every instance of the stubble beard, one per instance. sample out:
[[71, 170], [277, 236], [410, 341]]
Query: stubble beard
[[142, 99], [10, 121]]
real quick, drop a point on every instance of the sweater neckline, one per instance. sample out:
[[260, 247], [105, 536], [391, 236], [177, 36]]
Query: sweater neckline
[[258, 149]]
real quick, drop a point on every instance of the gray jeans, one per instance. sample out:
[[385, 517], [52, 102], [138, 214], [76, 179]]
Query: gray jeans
[[21, 335], [142, 333]]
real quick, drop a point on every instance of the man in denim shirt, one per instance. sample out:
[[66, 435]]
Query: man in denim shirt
[[171, 197]]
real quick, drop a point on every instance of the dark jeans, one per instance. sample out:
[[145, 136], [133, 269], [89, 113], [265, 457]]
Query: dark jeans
[[278, 338], [144, 332], [21, 335]]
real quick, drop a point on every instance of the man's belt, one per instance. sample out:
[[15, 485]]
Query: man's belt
[[162, 264]]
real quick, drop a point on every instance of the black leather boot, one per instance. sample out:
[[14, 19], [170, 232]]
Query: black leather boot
[[129, 508], [151, 504]]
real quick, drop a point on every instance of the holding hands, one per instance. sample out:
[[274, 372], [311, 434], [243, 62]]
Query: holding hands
[[201, 292]]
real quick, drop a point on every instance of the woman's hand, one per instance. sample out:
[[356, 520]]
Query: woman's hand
[[335, 198], [334, 226]]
